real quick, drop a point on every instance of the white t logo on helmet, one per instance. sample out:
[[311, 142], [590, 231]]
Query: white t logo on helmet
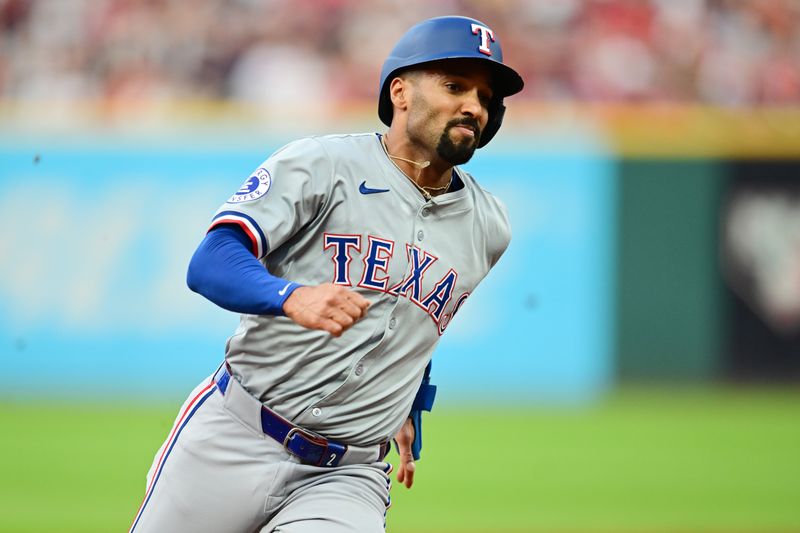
[[486, 35]]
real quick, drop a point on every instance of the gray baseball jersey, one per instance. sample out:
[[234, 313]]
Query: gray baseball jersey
[[336, 209], [324, 209]]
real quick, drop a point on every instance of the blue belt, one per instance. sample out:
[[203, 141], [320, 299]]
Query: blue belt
[[309, 447]]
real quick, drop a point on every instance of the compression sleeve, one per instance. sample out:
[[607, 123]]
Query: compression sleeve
[[422, 402], [224, 270]]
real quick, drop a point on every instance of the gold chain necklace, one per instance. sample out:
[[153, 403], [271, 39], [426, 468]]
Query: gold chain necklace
[[426, 191]]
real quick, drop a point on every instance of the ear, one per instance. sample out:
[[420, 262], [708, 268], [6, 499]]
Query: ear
[[399, 93]]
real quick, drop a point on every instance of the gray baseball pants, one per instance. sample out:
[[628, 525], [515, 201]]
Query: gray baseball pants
[[218, 472]]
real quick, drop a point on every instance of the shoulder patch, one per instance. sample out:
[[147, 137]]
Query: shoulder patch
[[255, 187]]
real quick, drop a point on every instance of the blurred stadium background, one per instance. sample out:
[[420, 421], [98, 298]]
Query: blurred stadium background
[[631, 365]]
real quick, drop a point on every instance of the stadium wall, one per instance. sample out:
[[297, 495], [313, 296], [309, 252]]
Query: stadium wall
[[94, 300], [612, 273]]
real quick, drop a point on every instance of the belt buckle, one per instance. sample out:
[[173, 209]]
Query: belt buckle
[[315, 456], [308, 435]]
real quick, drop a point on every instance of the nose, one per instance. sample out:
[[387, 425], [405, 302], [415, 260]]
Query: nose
[[471, 106]]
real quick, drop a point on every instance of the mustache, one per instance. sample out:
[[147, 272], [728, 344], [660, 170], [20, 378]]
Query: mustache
[[466, 121]]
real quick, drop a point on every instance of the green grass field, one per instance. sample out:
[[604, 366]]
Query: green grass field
[[721, 460]]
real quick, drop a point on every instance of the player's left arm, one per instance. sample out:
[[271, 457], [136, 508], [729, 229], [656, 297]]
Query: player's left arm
[[409, 438], [404, 440]]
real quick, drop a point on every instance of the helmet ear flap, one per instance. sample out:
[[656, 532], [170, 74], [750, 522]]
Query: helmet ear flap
[[496, 112]]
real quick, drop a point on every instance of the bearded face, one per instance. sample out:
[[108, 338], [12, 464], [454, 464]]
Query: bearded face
[[449, 109]]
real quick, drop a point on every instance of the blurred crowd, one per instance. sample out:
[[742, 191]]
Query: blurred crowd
[[292, 52]]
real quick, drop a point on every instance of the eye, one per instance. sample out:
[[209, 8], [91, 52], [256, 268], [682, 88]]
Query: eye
[[452, 86]]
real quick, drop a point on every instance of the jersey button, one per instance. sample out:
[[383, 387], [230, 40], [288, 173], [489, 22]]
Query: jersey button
[[420, 235], [359, 370], [426, 212], [316, 411], [392, 323]]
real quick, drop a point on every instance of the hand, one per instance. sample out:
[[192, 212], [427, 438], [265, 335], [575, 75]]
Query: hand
[[404, 438], [328, 307]]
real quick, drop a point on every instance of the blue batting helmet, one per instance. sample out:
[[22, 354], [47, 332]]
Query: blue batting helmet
[[451, 38]]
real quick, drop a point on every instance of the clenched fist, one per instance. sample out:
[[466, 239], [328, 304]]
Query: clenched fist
[[328, 307]]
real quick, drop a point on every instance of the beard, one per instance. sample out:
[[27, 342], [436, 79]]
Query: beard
[[458, 153]]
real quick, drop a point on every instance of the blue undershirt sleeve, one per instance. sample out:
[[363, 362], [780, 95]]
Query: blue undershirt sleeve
[[224, 270], [422, 402]]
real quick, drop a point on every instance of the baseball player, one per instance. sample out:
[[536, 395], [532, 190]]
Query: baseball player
[[347, 256]]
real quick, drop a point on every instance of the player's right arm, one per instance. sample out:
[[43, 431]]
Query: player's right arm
[[328, 307], [278, 200], [224, 270]]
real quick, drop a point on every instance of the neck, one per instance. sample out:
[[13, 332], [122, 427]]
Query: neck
[[418, 166]]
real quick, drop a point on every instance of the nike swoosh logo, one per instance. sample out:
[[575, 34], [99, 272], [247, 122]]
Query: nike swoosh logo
[[363, 189], [283, 290]]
